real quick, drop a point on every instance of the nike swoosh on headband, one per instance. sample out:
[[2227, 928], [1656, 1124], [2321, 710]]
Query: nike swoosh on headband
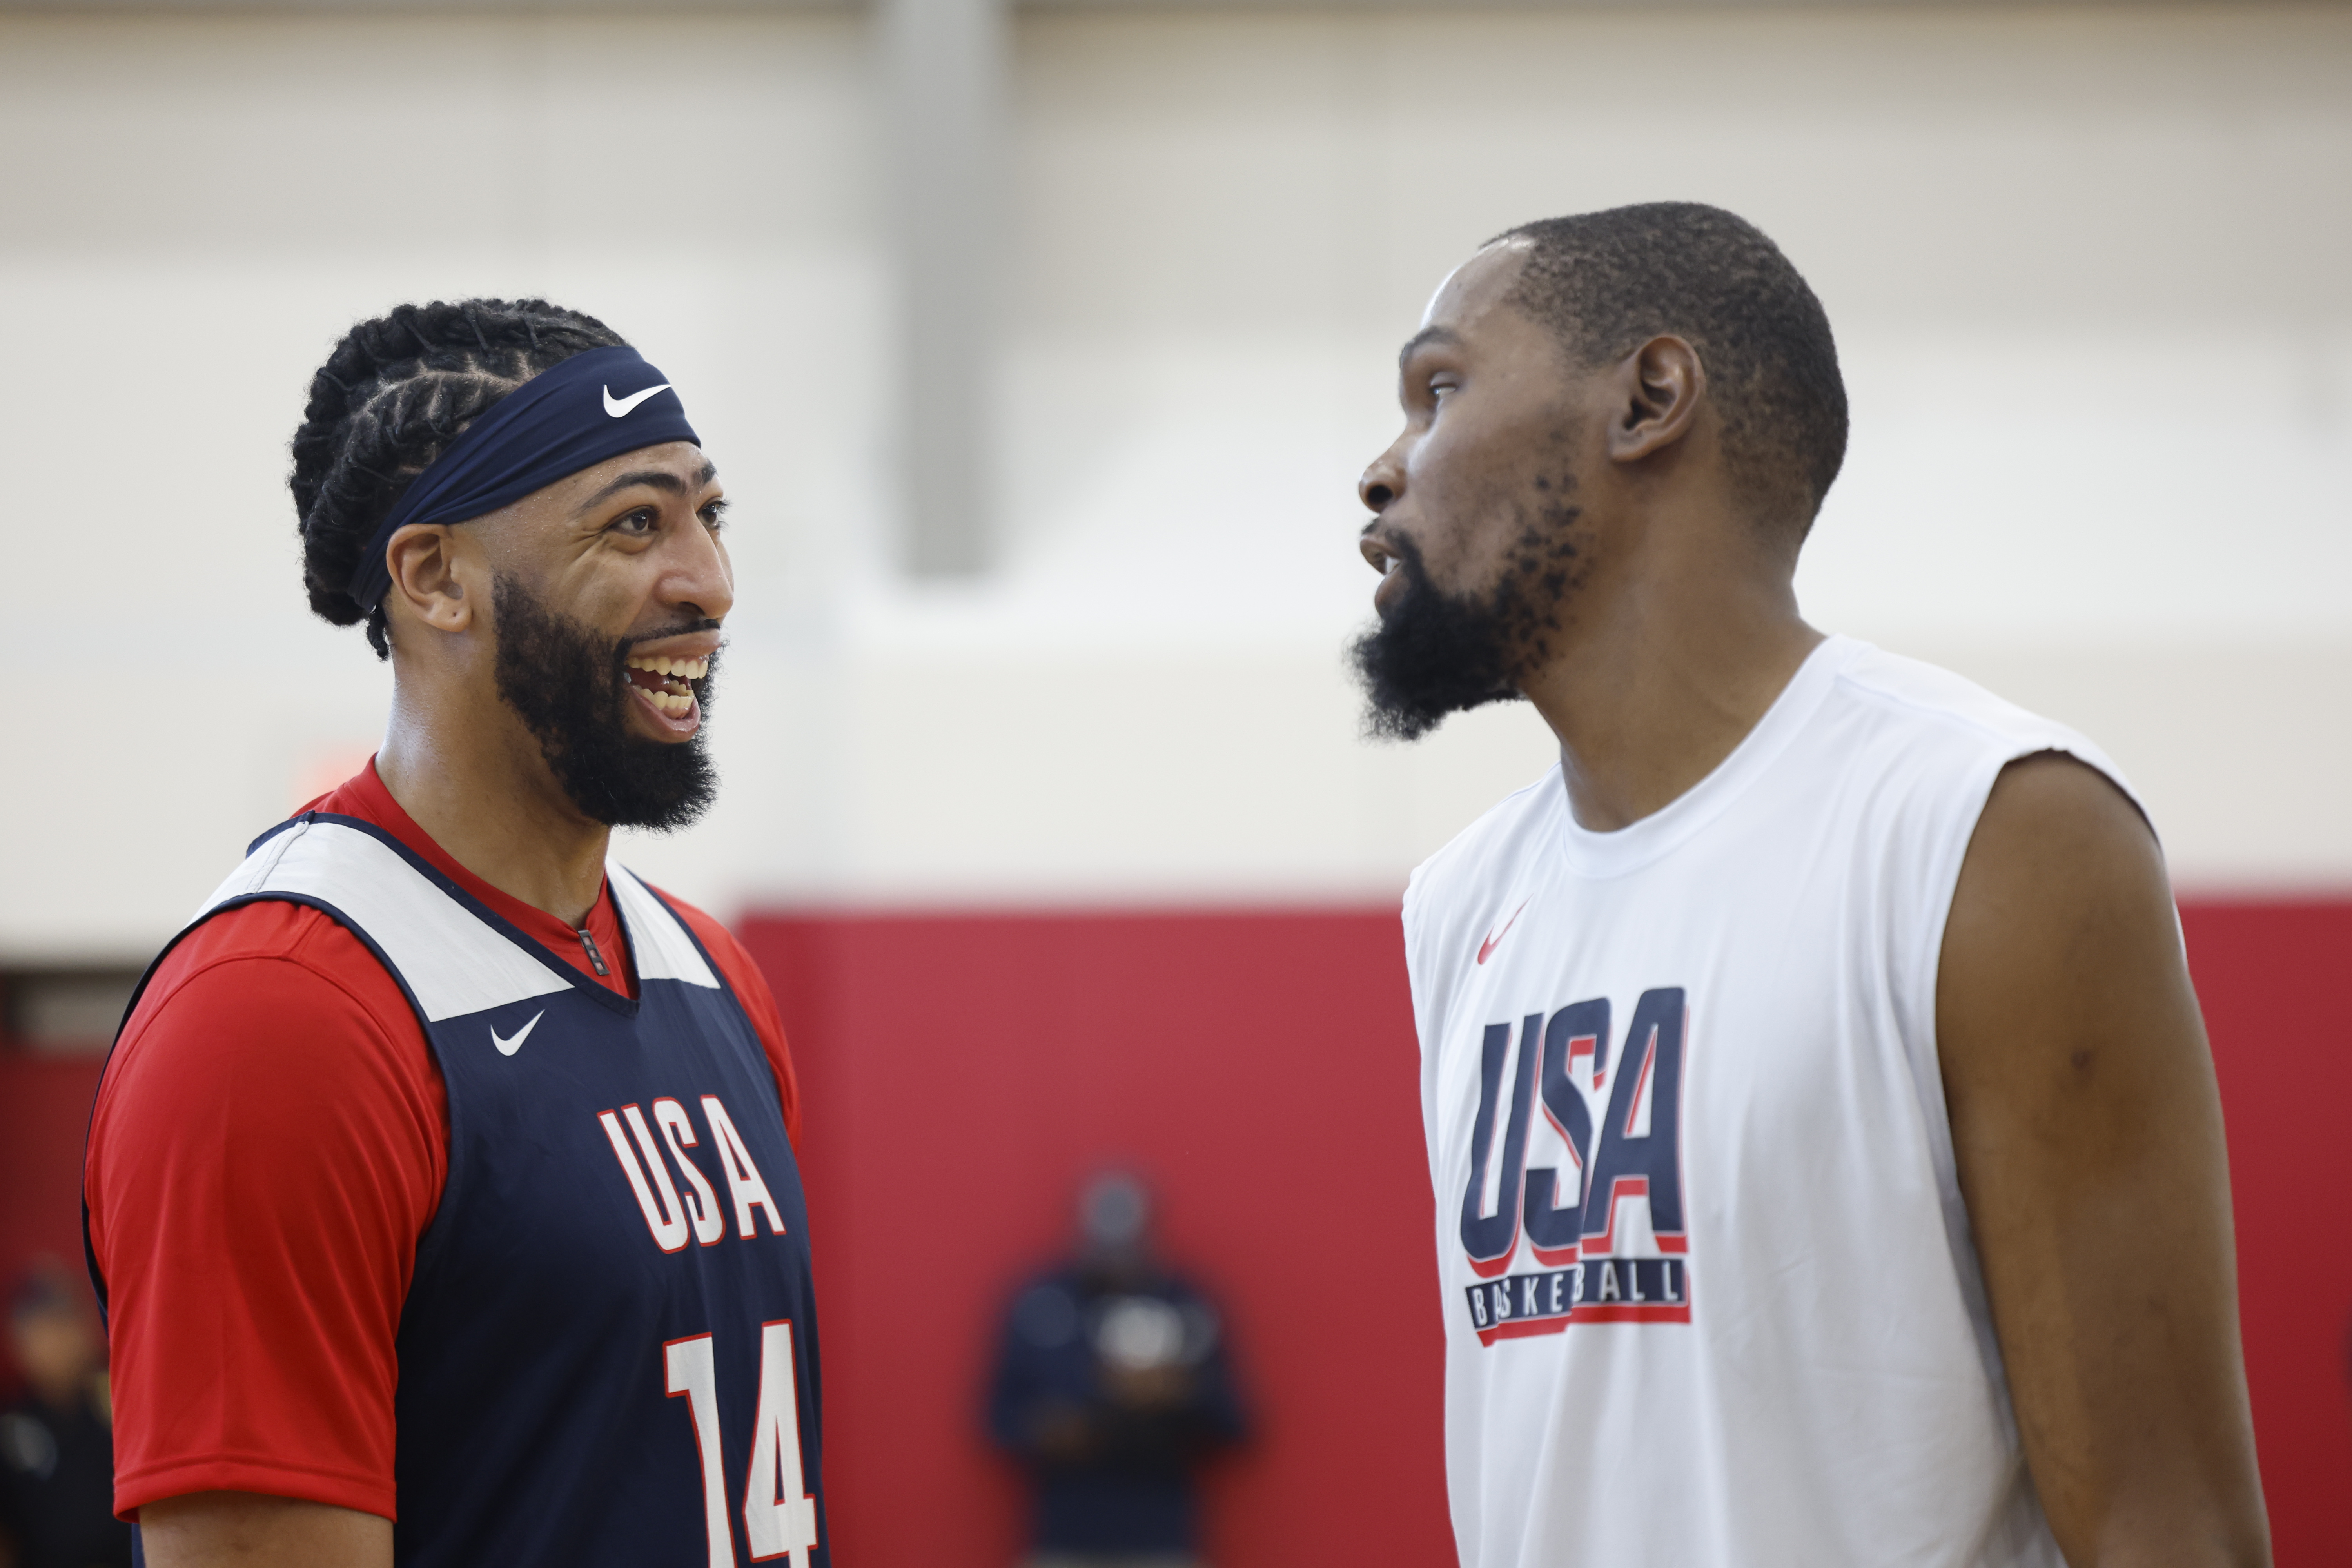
[[617, 406], [559, 422], [508, 1047]]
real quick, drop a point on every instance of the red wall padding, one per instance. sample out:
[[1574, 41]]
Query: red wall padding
[[44, 1116], [962, 1073], [2269, 976]]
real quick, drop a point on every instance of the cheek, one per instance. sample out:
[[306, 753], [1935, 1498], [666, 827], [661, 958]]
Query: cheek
[[612, 591], [1471, 489]]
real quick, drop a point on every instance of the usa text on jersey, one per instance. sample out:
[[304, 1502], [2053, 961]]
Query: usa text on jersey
[[1581, 1212]]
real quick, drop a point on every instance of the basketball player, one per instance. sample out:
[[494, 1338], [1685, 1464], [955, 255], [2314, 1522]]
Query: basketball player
[[441, 1188], [1828, 1159]]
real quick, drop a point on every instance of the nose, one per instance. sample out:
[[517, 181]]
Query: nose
[[1381, 483], [700, 578]]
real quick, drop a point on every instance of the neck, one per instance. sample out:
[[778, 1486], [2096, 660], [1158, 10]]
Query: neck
[[486, 795], [1672, 662]]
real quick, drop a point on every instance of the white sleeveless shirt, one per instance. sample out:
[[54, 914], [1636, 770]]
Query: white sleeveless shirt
[[1709, 1292]]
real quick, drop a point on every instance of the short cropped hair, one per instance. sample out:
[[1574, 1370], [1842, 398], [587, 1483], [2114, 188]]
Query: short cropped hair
[[1606, 282]]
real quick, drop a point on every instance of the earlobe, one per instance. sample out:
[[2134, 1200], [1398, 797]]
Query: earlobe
[[422, 558]]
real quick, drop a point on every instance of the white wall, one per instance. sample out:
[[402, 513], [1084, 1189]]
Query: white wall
[[2085, 268]]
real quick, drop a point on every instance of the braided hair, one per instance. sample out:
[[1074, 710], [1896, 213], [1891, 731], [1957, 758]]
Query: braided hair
[[390, 399]]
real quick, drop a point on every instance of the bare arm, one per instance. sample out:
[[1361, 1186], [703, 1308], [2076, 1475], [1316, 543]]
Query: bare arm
[[246, 1530], [2088, 1132]]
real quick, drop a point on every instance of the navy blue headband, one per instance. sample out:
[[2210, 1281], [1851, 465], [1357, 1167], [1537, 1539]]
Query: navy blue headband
[[571, 417]]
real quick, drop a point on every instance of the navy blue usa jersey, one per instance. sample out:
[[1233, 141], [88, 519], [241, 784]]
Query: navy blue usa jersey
[[608, 1353]]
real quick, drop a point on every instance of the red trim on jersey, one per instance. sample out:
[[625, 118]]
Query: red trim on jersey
[[1523, 1328], [1632, 1312], [269, 1142]]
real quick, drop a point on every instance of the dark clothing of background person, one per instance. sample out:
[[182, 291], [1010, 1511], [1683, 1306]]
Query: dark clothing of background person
[[1110, 1391], [57, 1487]]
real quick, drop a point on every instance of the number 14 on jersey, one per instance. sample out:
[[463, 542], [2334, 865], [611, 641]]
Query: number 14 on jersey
[[779, 1515]]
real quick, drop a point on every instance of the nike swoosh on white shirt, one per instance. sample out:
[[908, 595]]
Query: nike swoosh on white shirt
[[617, 406], [508, 1047], [1487, 947]]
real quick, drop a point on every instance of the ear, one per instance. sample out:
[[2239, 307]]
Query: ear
[[1659, 387], [425, 579]]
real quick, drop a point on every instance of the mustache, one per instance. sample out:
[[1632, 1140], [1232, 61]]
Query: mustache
[[683, 628]]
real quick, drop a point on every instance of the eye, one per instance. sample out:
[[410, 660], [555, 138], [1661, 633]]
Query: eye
[[636, 523], [714, 516], [1439, 385]]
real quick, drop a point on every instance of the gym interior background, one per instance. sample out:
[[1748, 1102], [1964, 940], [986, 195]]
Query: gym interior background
[[1040, 347]]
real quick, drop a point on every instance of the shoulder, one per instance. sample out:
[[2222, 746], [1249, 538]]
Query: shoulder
[[1908, 703], [2059, 864], [2056, 840], [272, 1030], [271, 998], [727, 953], [272, 961], [1912, 751], [735, 963], [1469, 872]]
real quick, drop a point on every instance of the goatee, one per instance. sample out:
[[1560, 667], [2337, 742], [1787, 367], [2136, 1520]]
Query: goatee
[[1430, 655], [570, 686]]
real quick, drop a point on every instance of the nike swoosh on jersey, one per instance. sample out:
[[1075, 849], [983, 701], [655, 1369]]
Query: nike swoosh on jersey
[[1488, 946], [508, 1047], [617, 406]]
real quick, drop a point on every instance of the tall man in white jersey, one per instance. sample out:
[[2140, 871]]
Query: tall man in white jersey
[[1828, 1162]]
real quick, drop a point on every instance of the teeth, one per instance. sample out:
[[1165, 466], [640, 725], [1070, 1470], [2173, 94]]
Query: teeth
[[681, 669]]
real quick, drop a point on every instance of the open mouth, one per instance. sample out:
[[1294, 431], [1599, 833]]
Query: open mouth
[[667, 683]]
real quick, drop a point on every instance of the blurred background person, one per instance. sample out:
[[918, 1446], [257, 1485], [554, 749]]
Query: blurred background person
[[56, 1444], [1112, 1387]]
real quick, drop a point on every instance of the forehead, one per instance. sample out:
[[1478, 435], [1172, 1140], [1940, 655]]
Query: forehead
[[677, 468], [585, 500], [1474, 292], [672, 462]]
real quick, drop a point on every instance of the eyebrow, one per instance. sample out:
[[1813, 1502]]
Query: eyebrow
[[1423, 338], [656, 478]]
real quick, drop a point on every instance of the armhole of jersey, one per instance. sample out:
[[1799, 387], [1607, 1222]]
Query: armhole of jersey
[[139, 992], [719, 980], [1943, 883], [1409, 927], [1924, 1048], [727, 989]]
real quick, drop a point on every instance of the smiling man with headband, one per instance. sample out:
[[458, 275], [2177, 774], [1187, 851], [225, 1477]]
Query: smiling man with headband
[[441, 1187]]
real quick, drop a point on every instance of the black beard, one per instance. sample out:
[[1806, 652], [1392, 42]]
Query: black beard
[[1430, 655], [571, 689], [1433, 654]]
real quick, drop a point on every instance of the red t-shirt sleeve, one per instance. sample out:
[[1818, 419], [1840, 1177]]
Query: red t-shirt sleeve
[[269, 1145], [750, 988]]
